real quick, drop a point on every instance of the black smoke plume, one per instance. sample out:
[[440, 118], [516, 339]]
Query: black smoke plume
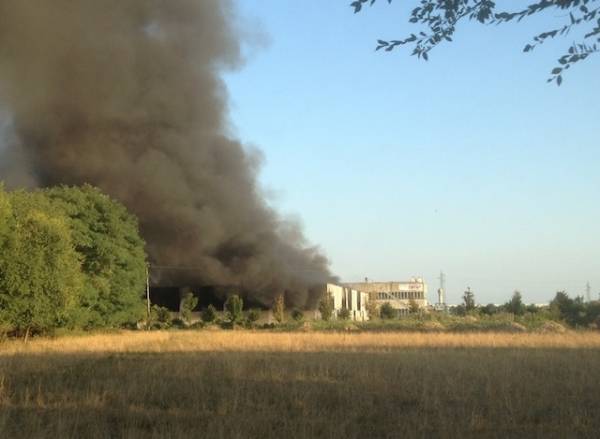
[[127, 95]]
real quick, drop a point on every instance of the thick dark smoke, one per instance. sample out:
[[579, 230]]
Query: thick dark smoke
[[126, 95]]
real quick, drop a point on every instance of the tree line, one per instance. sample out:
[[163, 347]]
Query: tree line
[[70, 257], [575, 312]]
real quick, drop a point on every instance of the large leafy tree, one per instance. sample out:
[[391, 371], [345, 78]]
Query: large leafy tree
[[40, 277], [106, 236], [440, 18]]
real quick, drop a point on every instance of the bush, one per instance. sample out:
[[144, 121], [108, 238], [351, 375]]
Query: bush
[[489, 310], [253, 316], [233, 307], [160, 317], [178, 323], [413, 306], [209, 314], [344, 314], [372, 309], [197, 325], [552, 327], [386, 311], [297, 315]]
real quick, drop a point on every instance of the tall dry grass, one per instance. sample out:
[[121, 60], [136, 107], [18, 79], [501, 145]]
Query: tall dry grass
[[260, 341], [230, 384]]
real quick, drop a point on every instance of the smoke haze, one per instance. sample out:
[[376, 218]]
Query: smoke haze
[[126, 95]]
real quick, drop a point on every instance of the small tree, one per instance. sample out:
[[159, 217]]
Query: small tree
[[208, 314], [413, 306], [515, 305], [279, 308], [344, 314], [372, 309], [297, 315], [233, 307], [188, 303], [387, 311], [469, 300], [326, 306]]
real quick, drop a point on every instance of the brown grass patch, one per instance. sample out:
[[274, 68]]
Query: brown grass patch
[[240, 384]]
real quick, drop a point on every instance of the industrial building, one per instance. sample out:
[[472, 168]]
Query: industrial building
[[399, 294], [352, 299]]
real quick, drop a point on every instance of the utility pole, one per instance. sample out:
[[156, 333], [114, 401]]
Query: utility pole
[[148, 291]]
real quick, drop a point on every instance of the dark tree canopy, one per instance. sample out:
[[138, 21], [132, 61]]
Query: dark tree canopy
[[440, 19], [106, 235]]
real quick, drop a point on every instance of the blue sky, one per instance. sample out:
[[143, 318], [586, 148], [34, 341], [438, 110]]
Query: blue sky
[[470, 163]]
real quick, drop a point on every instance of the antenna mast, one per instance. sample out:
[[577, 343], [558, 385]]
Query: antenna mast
[[441, 305]]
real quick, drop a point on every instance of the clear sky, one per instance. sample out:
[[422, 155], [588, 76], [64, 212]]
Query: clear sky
[[470, 163]]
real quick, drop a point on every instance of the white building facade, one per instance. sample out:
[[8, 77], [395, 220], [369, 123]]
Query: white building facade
[[353, 300]]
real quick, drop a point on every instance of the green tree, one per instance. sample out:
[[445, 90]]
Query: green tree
[[40, 277], [515, 305], [387, 311], [439, 20], [113, 257], [188, 303], [233, 307], [208, 314], [279, 308], [326, 306], [469, 300]]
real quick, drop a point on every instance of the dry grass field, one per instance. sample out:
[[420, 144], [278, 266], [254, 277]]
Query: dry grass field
[[243, 384]]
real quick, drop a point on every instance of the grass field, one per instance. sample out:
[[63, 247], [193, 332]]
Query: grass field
[[243, 384]]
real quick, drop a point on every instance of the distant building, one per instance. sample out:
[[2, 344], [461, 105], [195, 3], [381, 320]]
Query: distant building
[[399, 294], [345, 297]]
